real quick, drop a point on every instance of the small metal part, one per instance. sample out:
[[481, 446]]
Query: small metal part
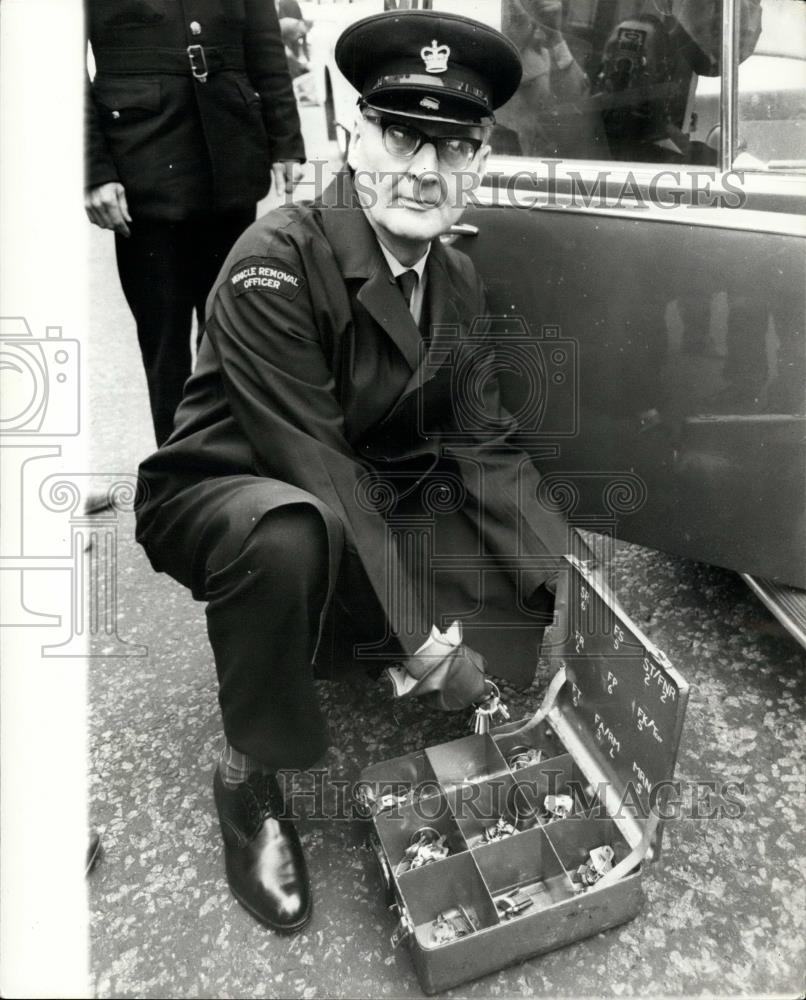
[[523, 756], [443, 932], [498, 831], [427, 845], [558, 806], [390, 801], [425, 835], [451, 924], [198, 62], [600, 861], [512, 904]]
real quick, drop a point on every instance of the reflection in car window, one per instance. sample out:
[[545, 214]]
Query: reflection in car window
[[615, 79], [772, 91]]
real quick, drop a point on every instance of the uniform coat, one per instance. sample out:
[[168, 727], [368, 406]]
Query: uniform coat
[[179, 146], [313, 385]]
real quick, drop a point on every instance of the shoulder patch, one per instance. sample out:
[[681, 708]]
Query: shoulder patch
[[269, 275]]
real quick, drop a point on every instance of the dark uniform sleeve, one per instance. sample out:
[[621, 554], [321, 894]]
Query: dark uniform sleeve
[[281, 393], [99, 166], [267, 69]]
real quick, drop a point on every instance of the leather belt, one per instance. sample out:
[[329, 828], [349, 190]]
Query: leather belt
[[198, 61]]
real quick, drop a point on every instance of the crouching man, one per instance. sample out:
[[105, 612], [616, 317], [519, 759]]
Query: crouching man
[[321, 492]]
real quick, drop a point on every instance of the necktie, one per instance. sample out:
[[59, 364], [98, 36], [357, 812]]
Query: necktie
[[407, 282]]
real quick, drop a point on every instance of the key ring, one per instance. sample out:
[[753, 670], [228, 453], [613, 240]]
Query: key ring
[[426, 845], [424, 835], [523, 756]]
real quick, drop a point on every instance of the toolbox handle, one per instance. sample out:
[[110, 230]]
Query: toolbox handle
[[546, 706], [634, 858]]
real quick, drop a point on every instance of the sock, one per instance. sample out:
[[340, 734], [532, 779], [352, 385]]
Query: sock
[[235, 767]]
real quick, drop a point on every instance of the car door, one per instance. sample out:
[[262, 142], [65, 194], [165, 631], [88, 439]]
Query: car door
[[641, 229]]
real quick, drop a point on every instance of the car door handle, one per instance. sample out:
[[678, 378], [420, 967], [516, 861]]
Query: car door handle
[[463, 229]]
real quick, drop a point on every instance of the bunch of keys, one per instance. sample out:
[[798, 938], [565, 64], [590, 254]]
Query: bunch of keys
[[522, 756], [600, 862], [498, 831], [487, 709], [451, 924], [512, 904], [426, 846], [558, 806]]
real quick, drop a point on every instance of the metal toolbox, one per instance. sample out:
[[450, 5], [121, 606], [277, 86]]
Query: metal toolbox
[[497, 847]]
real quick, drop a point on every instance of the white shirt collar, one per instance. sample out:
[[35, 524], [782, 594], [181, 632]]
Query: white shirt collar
[[397, 268]]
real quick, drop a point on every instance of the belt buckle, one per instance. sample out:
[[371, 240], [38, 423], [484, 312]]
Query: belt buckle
[[198, 62]]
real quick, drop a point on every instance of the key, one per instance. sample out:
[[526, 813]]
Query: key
[[481, 717], [503, 711]]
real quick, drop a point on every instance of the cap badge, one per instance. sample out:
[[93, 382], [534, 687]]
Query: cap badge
[[435, 57], [430, 104]]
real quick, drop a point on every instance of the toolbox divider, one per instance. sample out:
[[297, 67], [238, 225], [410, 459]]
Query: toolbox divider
[[411, 774], [477, 806], [526, 865], [444, 886], [467, 760]]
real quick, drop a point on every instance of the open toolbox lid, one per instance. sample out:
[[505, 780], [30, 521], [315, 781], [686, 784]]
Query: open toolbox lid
[[616, 703]]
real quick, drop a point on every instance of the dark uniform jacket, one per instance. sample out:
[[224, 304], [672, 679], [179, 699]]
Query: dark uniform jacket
[[181, 146], [312, 385]]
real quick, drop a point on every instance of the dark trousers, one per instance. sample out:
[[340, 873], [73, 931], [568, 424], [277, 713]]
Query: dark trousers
[[167, 270], [265, 605]]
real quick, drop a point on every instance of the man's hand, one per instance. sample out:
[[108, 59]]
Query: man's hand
[[286, 174], [549, 16], [106, 207], [443, 670]]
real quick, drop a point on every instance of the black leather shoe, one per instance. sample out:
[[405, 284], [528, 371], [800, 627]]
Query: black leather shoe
[[265, 865]]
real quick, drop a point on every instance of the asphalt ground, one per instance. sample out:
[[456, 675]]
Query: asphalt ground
[[724, 911]]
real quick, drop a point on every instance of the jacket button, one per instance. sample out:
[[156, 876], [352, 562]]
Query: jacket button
[[116, 114], [195, 28]]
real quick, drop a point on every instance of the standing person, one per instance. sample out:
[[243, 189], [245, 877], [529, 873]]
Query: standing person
[[189, 118], [343, 431]]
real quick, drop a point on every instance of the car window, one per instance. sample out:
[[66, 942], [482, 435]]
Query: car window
[[617, 79], [772, 91]]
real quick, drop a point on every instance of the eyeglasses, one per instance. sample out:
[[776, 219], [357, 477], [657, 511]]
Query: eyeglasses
[[404, 140]]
